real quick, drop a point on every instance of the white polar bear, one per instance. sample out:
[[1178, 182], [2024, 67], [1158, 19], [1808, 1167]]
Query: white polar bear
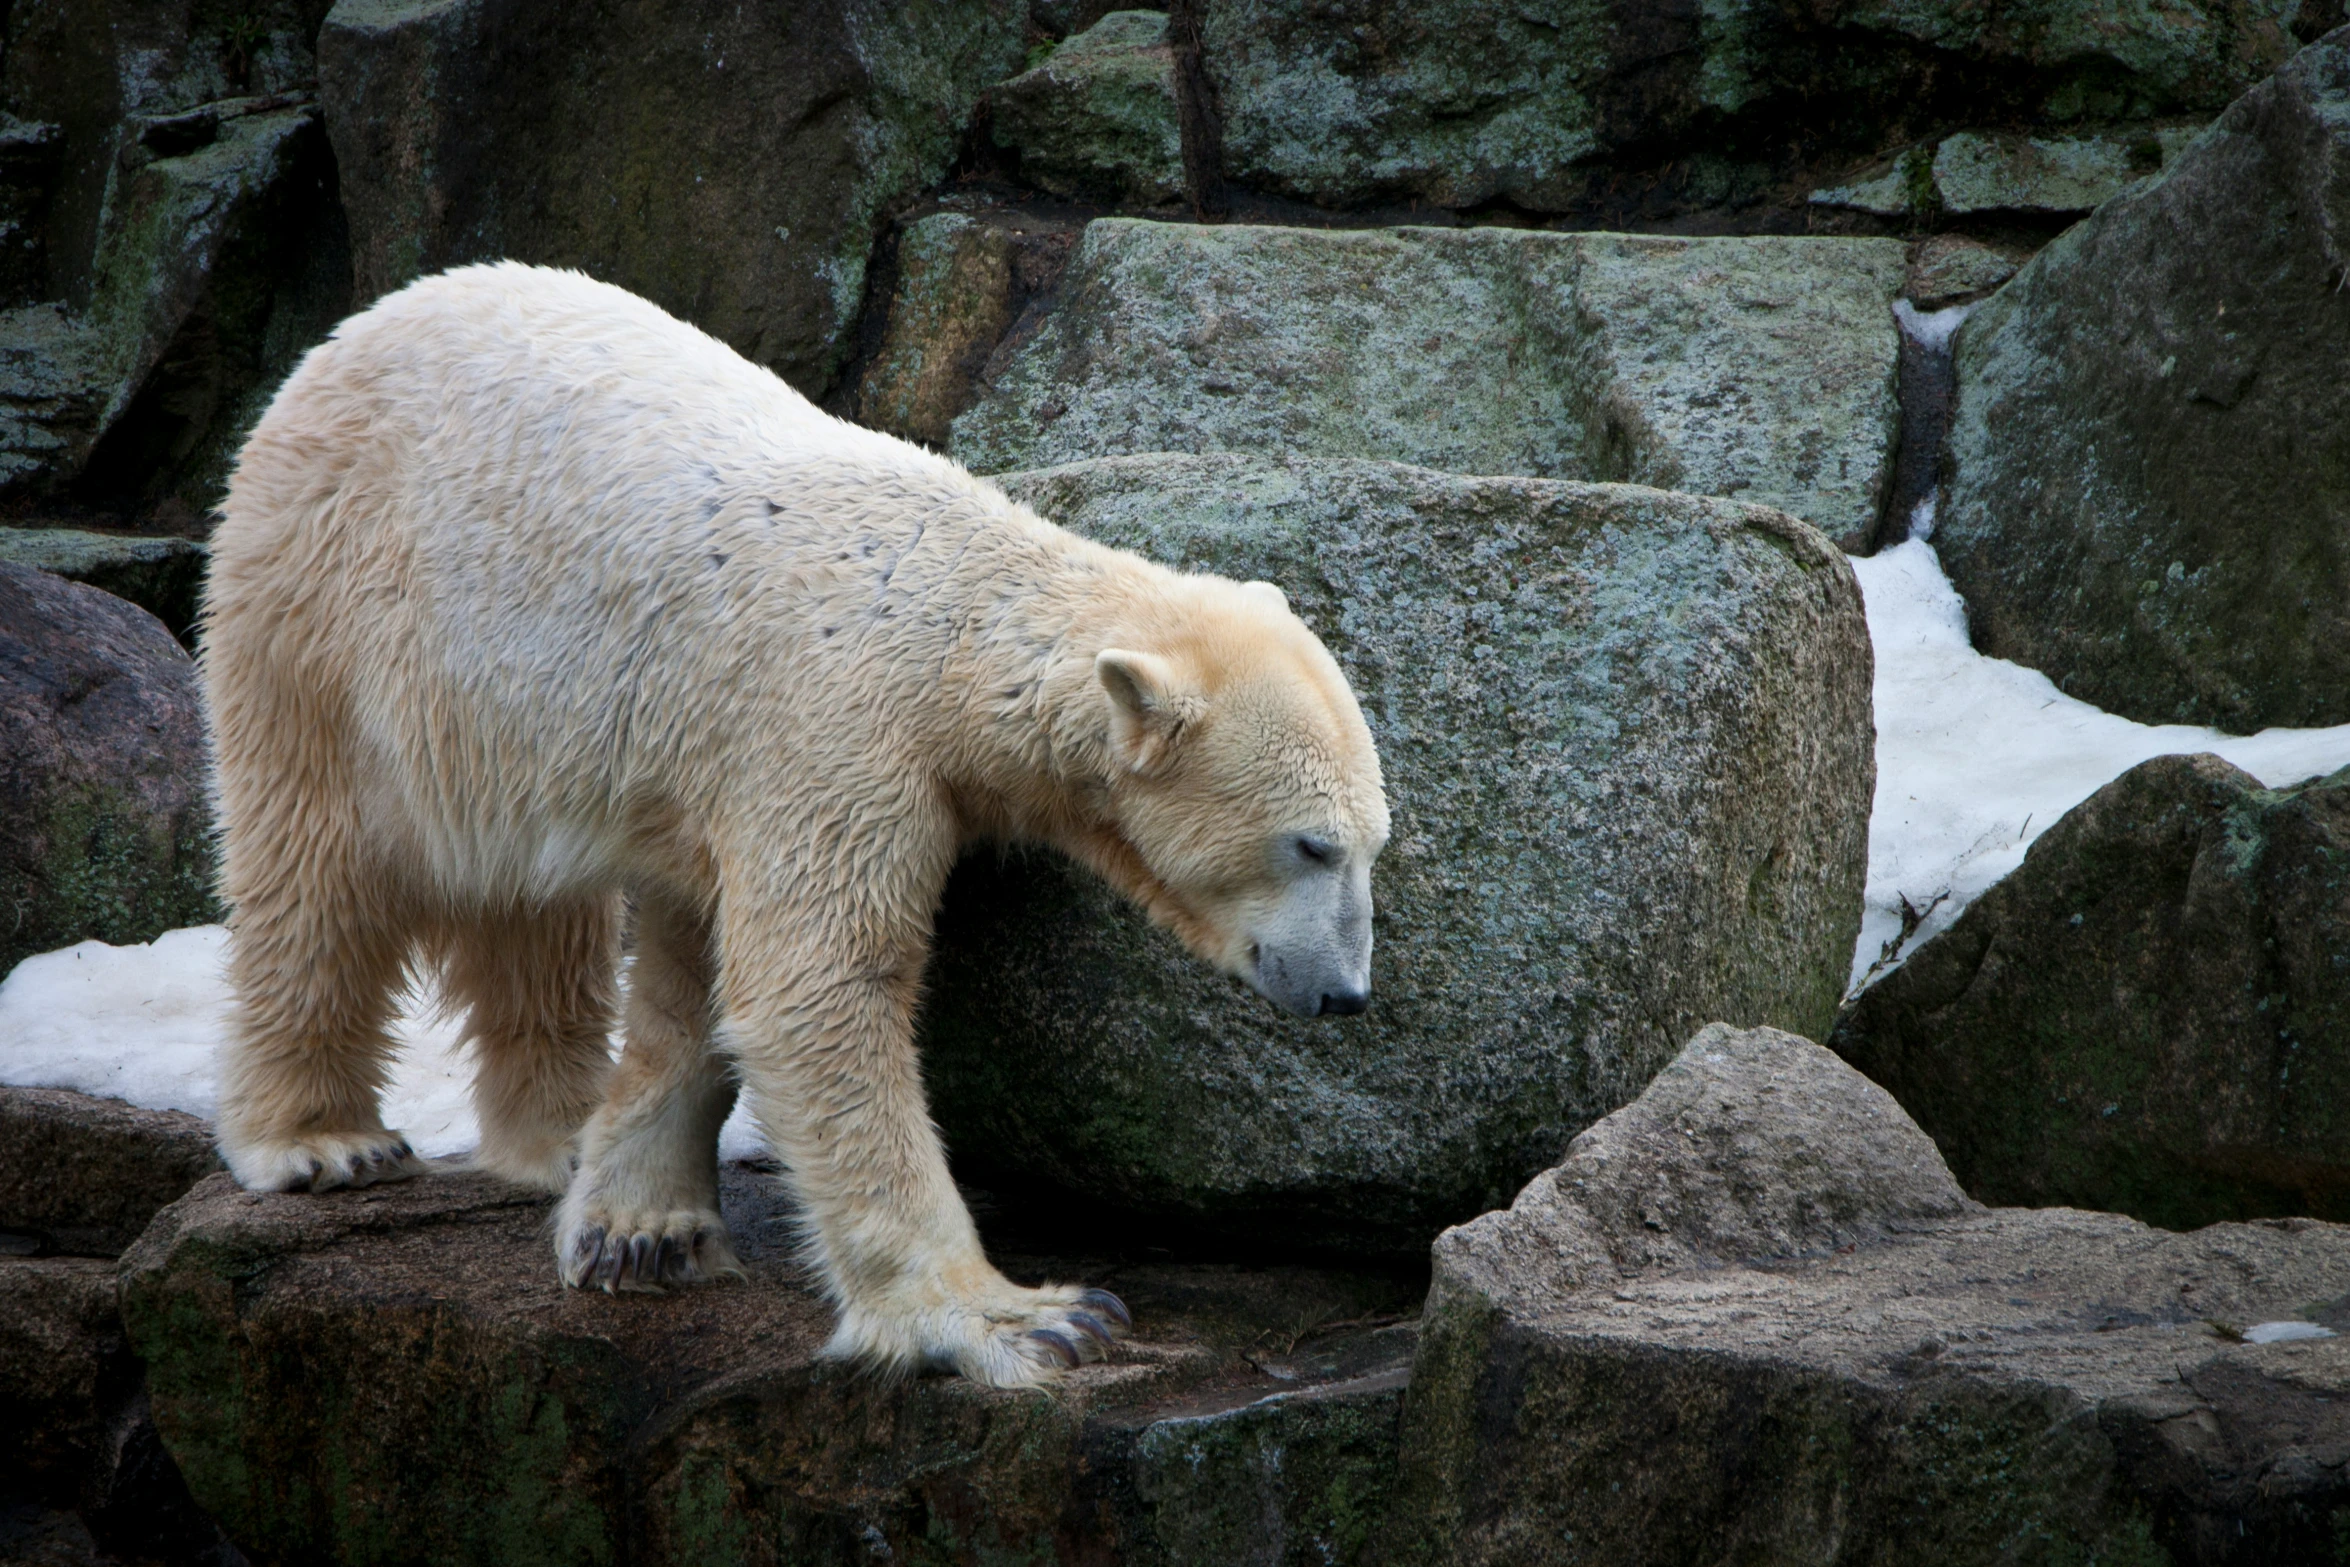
[[527, 594]]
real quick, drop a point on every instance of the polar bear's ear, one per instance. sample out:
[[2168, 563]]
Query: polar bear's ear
[[1148, 705], [1268, 592]]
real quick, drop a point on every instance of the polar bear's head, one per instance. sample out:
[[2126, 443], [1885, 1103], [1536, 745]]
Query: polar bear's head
[[1248, 784]]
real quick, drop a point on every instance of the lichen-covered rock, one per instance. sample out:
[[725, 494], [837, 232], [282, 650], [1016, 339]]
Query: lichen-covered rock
[[732, 163], [2150, 1015], [1459, 103], [163, 576], [2151, 447], [1752, 1319], [396, 1375], [104, 828], [1995, 171], [82, 1174], [1761, 368], [1097, 117], [1627, 746]]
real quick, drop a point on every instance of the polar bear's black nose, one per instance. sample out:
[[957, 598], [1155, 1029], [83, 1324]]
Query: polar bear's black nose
[[1345, 1003]]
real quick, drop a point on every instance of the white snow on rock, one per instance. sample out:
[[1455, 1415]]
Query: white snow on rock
[[1976, 757], [143, 1023]]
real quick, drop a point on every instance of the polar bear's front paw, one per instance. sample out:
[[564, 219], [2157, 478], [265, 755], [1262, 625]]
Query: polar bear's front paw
[[321, 1161], [612, 1250], [1010, 1337]]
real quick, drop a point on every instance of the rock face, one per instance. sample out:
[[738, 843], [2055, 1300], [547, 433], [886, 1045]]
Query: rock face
[[1760, 368], [2054, 174], [164, 577], [84, 1175], [1626, 741], [103, 823], [2151, 1015], [1459, 104], [2151, 449], [1752, 1318], [1097, 118], [732, 163], [398, 1377], [171, 241]]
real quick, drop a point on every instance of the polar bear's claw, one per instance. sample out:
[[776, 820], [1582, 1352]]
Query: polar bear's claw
[[1063, 1347], [658, 1253], [1100, 1300]]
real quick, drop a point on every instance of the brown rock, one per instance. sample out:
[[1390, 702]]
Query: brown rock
[[84, 1175], [395, 1373], [63, 1365], [104, 829]]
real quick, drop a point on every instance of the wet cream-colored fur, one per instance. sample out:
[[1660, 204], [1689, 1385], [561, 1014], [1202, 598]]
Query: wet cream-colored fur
[[528, 595]]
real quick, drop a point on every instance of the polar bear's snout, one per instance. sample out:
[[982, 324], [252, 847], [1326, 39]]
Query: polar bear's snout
[[1312, 955]]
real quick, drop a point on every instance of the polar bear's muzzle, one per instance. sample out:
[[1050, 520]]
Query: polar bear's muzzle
[[1312, 954]]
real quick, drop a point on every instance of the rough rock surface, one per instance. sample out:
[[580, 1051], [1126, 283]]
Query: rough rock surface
[[82, 1174], [1627, 747], [164, 577], [1978, 171], [1950, 270], [2150, 1015], [63, 1365], [732, 163], [2151, 448], [1459, 103], [395, 1375], [1097, 118], [1761, 368], [104, 829], [953, 302], [1752, 1318]]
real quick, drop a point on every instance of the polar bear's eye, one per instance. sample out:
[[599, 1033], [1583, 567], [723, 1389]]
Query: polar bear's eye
[[1314, 850]]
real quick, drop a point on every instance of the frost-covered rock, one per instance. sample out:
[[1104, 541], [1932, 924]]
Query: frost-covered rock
[[1761, 368], [1751, 1318], [2151, 1015], [732, 163], [1459, 103], [1097, 117], [1626, 742], [2151, 448], [104, 827], [397, 1375]]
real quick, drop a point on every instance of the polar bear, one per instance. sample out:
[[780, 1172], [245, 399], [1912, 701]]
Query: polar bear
[[527, 596]]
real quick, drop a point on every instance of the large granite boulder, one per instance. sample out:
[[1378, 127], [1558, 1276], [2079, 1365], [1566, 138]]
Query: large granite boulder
[[1097, 117], [1461, 104], [83, 1175], [1752, 1318], [1760, 368], [396, 1375], [2150, 1015], [733, 163], [104, 826], [2151, 448], [1627, 747]]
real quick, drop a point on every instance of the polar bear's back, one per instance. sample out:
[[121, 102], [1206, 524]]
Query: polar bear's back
[[525, 519]]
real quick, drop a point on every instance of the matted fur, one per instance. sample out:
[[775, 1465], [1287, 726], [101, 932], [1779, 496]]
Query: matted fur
[[526, 594]]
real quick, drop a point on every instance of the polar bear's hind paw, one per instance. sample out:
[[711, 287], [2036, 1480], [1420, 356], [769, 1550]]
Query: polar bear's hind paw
[[322, 1161], [647, 1253]]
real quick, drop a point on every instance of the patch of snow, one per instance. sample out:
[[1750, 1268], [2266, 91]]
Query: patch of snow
[[1931, 330], [2285, 1332], [1976, 757], [145, 1024]]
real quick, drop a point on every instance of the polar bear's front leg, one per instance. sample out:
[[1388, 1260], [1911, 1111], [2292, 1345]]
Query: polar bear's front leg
[[642, 1209], [831, 1066]]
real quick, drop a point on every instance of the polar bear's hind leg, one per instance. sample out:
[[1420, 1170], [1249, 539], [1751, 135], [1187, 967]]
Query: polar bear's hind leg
[[538, 983], [642, 1209]]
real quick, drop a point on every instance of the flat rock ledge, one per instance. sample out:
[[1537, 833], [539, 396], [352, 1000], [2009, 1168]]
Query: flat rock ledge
[[395, 1375], [83, 1175], [1753, 1319]]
